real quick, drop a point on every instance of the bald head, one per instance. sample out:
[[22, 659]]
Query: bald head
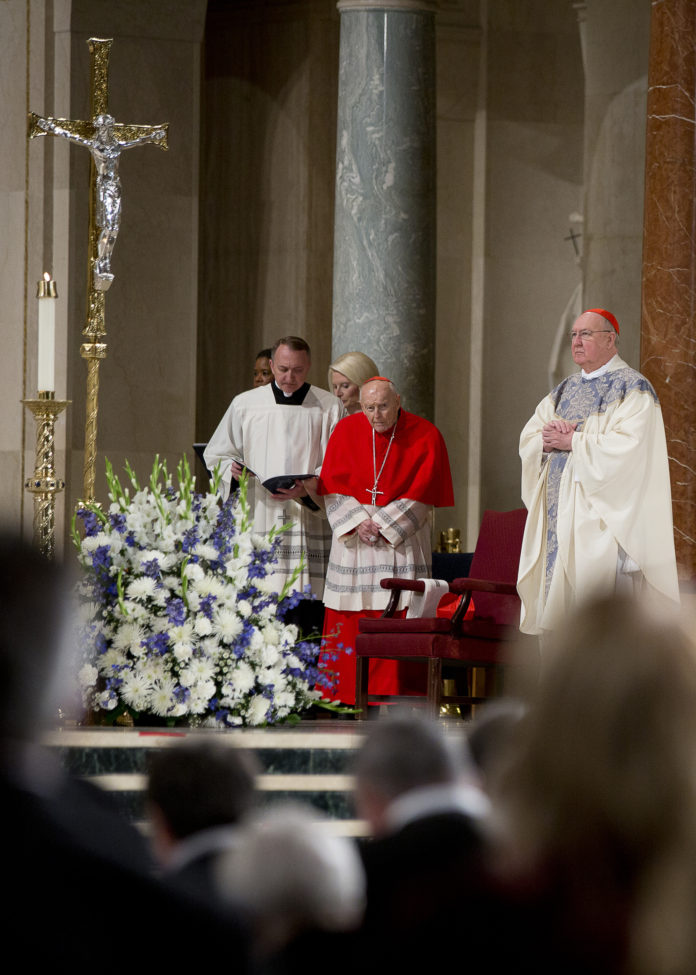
[[380, 403]]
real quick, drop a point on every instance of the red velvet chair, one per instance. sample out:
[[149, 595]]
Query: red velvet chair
[[484, 641]]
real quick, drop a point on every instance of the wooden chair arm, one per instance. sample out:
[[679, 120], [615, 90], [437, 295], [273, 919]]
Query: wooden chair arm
[[398, 586], [460, 586]]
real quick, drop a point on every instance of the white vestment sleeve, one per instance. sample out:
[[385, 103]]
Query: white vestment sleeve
[[344, 514], [401, 519], [222, 449]]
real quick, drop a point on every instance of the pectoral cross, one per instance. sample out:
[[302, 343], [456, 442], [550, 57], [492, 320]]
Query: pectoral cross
[[105, 139], [374, 492]]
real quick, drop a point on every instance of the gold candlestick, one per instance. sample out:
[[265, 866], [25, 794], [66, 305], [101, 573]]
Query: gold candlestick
[[43, 483]]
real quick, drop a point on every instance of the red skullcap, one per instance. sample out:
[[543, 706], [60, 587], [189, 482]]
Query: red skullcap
[[606, 314], [377, 379]]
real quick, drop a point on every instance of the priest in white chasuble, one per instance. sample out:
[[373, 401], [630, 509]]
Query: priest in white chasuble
[[595, 481], [383, 472], [281, 431]]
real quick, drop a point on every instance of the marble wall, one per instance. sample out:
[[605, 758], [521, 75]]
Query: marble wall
[[668, 349]]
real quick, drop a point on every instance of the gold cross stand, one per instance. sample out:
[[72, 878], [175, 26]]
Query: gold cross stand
[[106, 140]]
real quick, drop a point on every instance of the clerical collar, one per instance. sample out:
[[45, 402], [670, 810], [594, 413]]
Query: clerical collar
[[295, 399], [600, 371]]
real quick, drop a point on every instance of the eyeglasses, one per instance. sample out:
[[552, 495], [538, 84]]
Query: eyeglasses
[[586, 334]]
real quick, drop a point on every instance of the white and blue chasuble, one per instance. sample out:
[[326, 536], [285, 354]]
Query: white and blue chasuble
[[602, 507]]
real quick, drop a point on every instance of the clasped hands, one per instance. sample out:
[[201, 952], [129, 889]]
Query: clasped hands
[[368, 531], [557, 435]]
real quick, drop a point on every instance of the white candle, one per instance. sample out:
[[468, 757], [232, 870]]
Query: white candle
[[47, 294]]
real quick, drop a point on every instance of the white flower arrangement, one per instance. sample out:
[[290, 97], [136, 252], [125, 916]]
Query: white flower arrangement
[[182, 619]]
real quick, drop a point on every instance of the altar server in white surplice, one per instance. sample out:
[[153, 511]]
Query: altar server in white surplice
[[595, 481], [282, 429]]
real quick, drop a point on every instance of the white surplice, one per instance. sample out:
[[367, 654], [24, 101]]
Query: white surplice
[[273, 439], [403, 550], [604, 504]]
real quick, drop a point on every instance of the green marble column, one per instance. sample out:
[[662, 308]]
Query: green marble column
[[384, 237]]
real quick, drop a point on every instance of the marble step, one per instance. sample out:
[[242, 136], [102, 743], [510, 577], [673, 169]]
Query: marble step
[[308, 763]]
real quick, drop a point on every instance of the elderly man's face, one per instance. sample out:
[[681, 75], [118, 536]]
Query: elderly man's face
[[380, 404], [592, 350], [289, 368]]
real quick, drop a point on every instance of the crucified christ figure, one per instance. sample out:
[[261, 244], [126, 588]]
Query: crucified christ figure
[[106, 149]]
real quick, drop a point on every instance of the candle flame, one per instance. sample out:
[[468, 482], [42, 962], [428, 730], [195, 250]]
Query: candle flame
[[47, 276]]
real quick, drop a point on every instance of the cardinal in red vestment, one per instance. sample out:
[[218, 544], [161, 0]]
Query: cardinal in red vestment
[[383, 471]]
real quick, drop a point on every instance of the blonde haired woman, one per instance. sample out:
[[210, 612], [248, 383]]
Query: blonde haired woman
[[347, 374]]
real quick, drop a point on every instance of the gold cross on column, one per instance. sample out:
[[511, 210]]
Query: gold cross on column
[[105, 139]]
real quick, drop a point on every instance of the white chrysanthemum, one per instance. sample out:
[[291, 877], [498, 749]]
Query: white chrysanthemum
[[289, 634], [152, 668], [269, 656], [242, 679], [203, 626], [199, 671], [112, 658], [162, 698], [134, 611], [143, 588], [227, 624], [199, 700], [256, 641], [284, 699], [167, 539], [163, 560], [268, 585], [87, 676], [204, 551], [209, 585], [182, 653], [193, 572], [210, 647], [129, 636], [92, 542], [271, 635], [135, 690], [258, 707], [182, 634], [274, 677], [295, 662]]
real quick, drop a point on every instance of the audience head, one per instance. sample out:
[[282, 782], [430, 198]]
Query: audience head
[[347, 373], [290, 363], [196, 785], [492, 735], [603, 788], [400, 755], [262, 368], [294, 875]]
